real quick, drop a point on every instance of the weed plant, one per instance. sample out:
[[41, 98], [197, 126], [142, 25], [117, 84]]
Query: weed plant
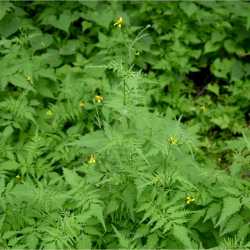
[[124, 125]]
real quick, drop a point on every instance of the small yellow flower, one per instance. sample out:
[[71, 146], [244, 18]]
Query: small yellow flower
[[172, 140], [189, 199], [92, 159], [98, 98], [49, 113], [82, 104], [119, 22], [28, 78]]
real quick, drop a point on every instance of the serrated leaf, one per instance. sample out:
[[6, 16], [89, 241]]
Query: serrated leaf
[[40, 41], [97, 211], [94, 140], [222, 121], [63, 21], [213, 211], [237, 71], [129, 197], [69, 48], [89, 4], [91, 230], [188, 8], [141, 231], [9, 25], [9, 234], [232, 190], [231, 205], [2, 219], [103, 18], [7, 132], [181, 234], [124, 243], [113, 205], [246, 202], [9, 165], [84, 242], [71, 177], [152, 241], [159, 224], [52, 58], [221, 68], [20, 81], [210, 46], [48, 73], [43, 88], [243, 232], [5, 6], [213, 88], [230, 46], [194, 218], [233, 224], [32, 241]]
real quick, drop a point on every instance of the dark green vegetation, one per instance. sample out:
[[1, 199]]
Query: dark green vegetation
[[124, 125]]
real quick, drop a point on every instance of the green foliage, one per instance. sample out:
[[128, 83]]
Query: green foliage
[[124, 125]]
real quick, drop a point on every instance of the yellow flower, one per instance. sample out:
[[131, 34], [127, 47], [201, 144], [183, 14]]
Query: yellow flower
[[98, 98], [119, 22], [28, 78], [49, 113], [92, 159], [82, 104], [172, 140], [189, 199]]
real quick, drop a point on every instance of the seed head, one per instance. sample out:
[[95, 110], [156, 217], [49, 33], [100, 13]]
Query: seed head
[[81, 104], [203, 108]]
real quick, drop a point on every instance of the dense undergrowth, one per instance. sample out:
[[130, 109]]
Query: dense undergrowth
[[124, 125]]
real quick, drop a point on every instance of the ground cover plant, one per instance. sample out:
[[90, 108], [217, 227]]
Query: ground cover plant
[[124, 125]]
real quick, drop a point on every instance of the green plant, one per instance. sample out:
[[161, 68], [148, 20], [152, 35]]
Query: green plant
[[124, 125]]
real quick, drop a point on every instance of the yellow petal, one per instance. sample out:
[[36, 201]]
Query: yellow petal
[[98, 98]]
